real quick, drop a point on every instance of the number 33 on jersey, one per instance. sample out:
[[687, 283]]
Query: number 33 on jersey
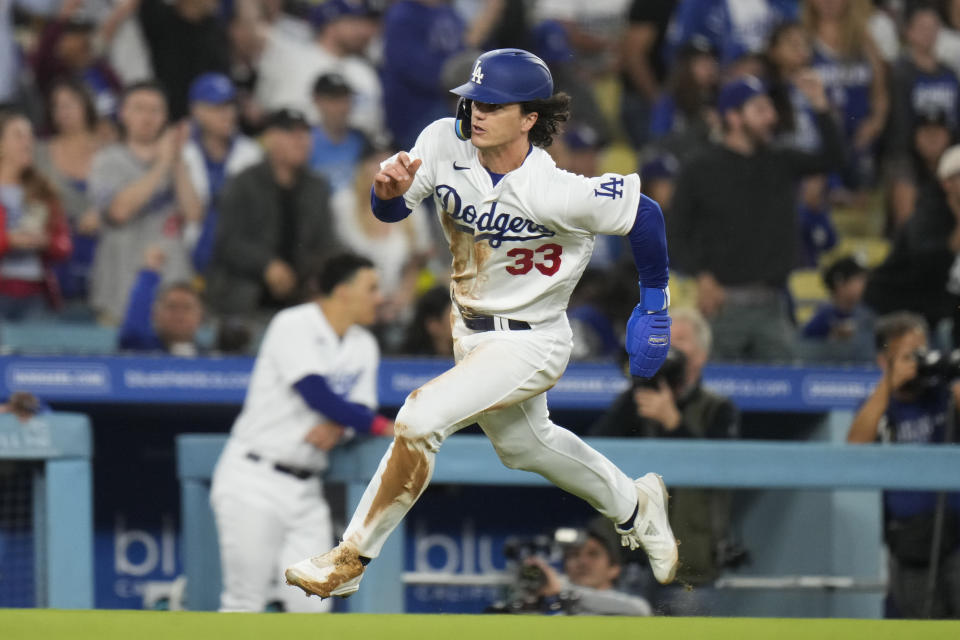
[[519, 246]]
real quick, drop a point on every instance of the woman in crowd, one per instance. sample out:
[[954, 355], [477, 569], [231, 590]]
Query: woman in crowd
[[854, 76], [33, 228], [685, 114], [66, 158], [789, 54]]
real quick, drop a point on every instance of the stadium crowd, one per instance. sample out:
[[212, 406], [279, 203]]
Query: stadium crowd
[[222, 148]]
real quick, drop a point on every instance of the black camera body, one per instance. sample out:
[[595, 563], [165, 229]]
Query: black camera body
[[673, 371], [530, 579], [935, 368]]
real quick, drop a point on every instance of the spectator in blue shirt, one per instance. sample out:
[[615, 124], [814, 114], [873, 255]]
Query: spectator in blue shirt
[[841, 329], [167, 321], [735, 29], [418, 38], [215, 152], [909, 408], [337, 147]]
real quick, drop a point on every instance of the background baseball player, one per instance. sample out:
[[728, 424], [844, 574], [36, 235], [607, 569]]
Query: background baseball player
[[521, 232], [314, 382]]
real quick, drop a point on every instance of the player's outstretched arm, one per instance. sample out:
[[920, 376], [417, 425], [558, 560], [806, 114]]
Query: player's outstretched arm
[[395, 178]]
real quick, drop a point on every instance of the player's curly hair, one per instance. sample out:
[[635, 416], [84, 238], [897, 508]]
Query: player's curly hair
[[553, 112]]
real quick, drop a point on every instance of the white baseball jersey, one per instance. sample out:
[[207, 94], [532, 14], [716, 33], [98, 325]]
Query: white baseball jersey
[[298, 342], [519, 247]]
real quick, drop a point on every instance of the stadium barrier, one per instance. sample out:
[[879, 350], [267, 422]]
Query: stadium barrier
[[127, 379], [50, 513], [839, 538]]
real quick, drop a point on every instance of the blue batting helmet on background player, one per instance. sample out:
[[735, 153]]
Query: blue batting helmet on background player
[[502, 76]]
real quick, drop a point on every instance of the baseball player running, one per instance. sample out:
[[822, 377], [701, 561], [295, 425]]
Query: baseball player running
[[314, 381], [521, 232]]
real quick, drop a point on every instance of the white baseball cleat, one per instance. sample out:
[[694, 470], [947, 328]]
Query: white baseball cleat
[[335, 573], [651, 529]]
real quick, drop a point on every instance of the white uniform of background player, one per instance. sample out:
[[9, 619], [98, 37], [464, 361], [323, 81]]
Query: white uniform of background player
[[268, 518], [519, 247]]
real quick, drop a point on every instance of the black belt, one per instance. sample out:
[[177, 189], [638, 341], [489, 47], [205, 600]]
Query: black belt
[[486, 323], [299, 474]]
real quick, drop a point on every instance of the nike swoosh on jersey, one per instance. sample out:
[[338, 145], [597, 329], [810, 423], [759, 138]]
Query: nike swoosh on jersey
[[460, 168]]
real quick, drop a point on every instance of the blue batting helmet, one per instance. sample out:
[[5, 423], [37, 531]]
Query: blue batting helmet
[[502, 76], [507, 75]]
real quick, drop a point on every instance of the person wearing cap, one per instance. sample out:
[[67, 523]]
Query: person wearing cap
[[337, 146], [733, 224], [274, 224], [592, 565], [341, 34], [214, 153], [841, 329], [916, 275], [141, 188]]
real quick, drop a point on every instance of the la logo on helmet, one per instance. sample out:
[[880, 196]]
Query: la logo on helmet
[[477, 74]]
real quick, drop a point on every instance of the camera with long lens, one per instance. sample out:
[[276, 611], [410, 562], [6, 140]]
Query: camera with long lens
[[673, 371], [935, 368], [523, 594]]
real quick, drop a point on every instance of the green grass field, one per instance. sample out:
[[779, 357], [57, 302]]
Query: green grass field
[[43, 624]]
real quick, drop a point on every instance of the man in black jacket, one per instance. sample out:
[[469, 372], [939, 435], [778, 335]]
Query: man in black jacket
[[275, 225], [677, 406], [733, 222]]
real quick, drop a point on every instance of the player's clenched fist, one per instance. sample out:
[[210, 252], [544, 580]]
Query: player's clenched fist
[[395, 177]]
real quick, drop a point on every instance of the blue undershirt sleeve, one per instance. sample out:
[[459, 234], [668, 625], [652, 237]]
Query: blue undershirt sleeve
[[648, 239], [137, 332], [392, 210], [321, 398]]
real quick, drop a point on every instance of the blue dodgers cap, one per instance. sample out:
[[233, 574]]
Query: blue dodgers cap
[[581, 136], [503, 76], [736, 93], [214, 88], [660, 166], [551, 41]]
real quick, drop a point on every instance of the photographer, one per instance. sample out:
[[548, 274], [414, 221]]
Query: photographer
[[591, 567], [674, 404], [910, 404]]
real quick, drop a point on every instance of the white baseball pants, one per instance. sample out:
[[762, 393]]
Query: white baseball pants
[[498, 381], [266, 521]]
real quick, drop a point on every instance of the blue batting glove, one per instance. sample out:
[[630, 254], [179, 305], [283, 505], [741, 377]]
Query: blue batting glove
[[648, 335]]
